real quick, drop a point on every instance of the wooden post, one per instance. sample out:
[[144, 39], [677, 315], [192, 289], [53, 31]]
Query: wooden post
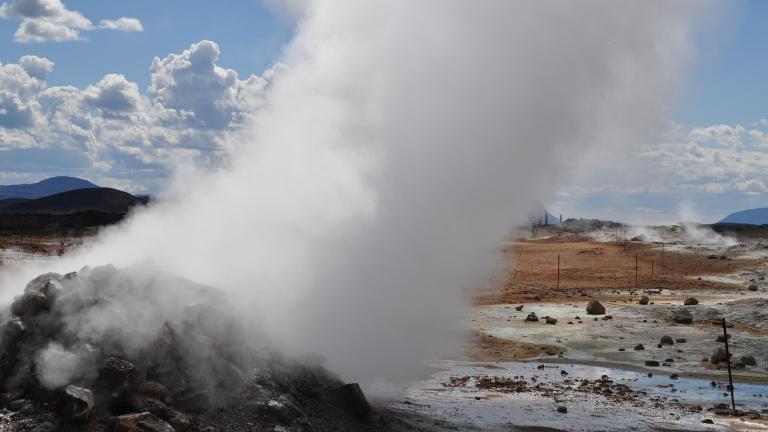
[[558, 271], [730, 377], [636, 270]]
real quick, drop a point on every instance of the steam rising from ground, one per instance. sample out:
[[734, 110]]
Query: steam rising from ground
[[395, 152]]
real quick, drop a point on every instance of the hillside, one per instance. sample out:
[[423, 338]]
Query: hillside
[[104, 200], [756, 216], [51, 186]]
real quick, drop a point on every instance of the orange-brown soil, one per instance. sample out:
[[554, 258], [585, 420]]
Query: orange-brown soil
[[588, 268]]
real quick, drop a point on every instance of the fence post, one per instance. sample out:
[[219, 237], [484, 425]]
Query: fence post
[[730, 377]]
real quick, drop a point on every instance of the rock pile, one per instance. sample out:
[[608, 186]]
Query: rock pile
[[114, 351]]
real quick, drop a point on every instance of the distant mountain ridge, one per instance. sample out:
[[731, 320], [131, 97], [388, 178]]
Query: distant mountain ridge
[[755, 216], [51, 186], [104, 200]]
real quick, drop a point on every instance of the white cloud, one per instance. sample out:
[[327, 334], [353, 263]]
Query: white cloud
[[36, 67], [50, 20], [123, 24], [113, 94], [191, 82], [113, 133]]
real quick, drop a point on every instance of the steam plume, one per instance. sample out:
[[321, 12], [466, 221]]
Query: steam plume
[[395, 152]]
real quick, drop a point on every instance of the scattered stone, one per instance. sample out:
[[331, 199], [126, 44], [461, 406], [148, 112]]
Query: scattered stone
[[669, 360], [639, 347], [748, 360], [644, 300], [76, 403], [551, 320], [562, 409], [563, 372], [659, 346], [595, 308], [708, 421], [651, 363], [690, 302], [519, 308], [674, 376], [622, 349], [667, 340], [607, 317], [682, 316], [719, 356], [351, 399], [532, 317], [681, 340], [752, 288]]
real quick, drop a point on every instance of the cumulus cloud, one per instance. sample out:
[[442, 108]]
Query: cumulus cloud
[[113, 93], [113, 133], [191, 82], [36, 67], [50, 20], [123, 24]]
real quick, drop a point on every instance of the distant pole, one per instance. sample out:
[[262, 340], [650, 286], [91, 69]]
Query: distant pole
[[651, 267], [558, 271], [662, 254], [636, 279], [730, 377]]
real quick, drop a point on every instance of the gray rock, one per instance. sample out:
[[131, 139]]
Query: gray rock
[[532, 317], [76, 403], [644, 300], [651, 363], [690, 302], [681, 340], [719, 356], [667, 340], [682, 316], [639, 347]]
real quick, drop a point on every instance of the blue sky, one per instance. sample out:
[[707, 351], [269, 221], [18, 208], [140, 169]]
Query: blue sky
[[249, 34], [96, 106]]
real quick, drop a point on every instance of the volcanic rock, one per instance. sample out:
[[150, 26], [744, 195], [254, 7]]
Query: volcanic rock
[[30, 303], [532, 317], [143, 422], [562, 409], [75, 403], [155, 390], [595, 308], [667, 340], [644, 300], [682, 316], [551, 320], [351, 399], [651, 363], [639, 347], [752, 288], [117, 373], [681, 340], [690, 302]]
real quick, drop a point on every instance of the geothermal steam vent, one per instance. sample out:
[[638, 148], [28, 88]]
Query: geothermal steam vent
[[136, 350]]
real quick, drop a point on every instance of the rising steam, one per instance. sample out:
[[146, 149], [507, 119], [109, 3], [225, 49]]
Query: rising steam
[[395, 152]]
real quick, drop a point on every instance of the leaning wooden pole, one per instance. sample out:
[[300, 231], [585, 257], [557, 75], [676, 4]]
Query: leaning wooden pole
[[728, 360]]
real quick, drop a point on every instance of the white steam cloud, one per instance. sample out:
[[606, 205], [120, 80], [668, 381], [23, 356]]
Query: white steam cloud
[[394, 154]]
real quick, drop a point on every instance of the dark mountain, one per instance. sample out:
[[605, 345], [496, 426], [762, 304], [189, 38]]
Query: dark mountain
[[51, 186], [104, 200], [757, 216]]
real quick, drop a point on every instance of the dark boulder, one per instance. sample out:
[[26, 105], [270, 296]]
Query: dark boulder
[[351, 399], [667, 340], [719, 356], [748, 360], [116, 373], [639, 347], [644, 300], [651, 363], [532, 317], [595, 308], [690, 302]]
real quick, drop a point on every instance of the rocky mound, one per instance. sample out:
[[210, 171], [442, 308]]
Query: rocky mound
[[109, 350]]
